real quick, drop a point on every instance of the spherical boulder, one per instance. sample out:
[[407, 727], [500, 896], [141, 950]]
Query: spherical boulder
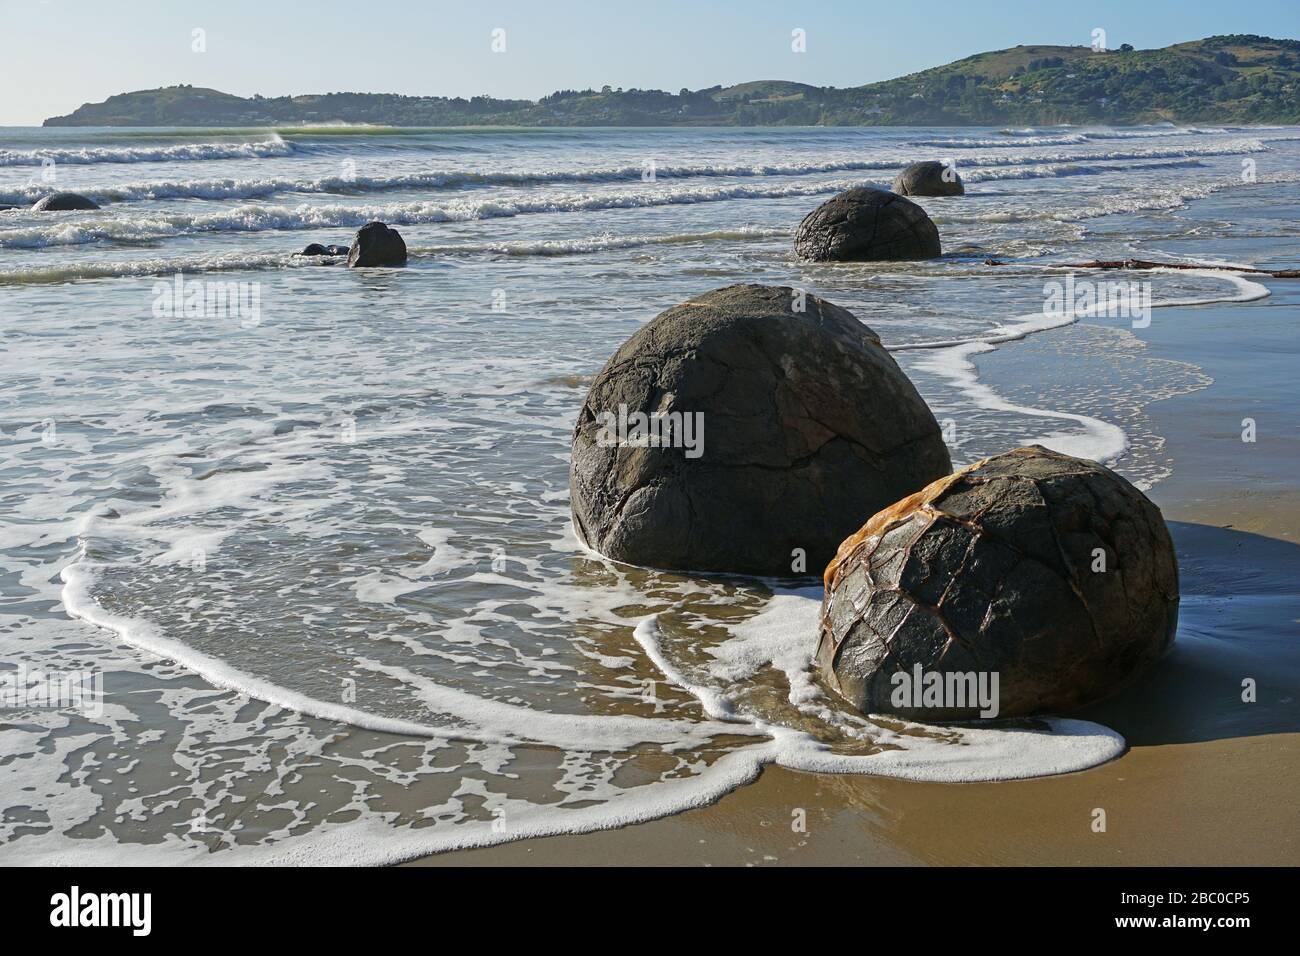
[[866, 225], [929, 179], [377, 244], [63, 202], [742, 431], [1052, 573]]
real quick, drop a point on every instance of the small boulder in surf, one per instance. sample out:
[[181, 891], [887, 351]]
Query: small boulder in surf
[[63, 202], [866, 224], [316, 249], [746, 430], [929, 179], [376, 244], [1052, 572]]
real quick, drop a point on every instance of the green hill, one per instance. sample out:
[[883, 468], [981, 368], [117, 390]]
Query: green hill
[[1223, 79]]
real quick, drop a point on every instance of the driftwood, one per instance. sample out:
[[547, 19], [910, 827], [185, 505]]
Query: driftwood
[[1148, 264]]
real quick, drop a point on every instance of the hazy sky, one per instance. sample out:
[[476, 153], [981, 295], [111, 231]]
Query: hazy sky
[[57, 54]]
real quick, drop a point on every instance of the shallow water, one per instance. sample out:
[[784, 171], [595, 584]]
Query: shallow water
[[319, 548]]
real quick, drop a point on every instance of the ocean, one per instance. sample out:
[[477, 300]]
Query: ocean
[[308, 527]]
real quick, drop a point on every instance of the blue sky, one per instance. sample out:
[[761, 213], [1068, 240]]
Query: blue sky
[[58, 54]]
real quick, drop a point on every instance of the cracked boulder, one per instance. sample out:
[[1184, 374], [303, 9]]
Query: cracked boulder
[[1052, 572], [746, 430], [928, 179], [866, 224]]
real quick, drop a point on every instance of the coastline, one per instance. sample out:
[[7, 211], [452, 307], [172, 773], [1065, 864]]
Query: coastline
[[1207, 779]]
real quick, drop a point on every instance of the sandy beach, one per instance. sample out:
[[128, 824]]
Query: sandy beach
[[1207, 780]]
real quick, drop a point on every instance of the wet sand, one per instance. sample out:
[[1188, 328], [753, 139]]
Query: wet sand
[[1208, 779]]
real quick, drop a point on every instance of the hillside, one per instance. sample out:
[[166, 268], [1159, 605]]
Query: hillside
[[1223, 79]]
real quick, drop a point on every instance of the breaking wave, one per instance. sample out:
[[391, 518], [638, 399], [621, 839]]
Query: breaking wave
[[90, 155], [262, 187]]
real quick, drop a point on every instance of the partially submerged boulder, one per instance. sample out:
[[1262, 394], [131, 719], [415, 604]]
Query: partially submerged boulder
[[1052, 572], [63, 202], [316, 249], [929, 179], [866, 224], [746, 430], [377, 244]]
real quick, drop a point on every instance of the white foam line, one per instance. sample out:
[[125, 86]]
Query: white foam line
[[715, 705], [1101, 441], [374, 843], [515, 724], [1066, 746], [985, 754]]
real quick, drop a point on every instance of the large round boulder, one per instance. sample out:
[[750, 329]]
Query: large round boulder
[[1052, 573], [866, 224], [742, 431], [377, 244], [929, 179], [63, 202]]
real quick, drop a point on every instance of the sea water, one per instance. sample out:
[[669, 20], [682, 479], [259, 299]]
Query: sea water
[[310, 526]]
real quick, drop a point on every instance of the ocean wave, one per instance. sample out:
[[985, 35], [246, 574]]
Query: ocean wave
[[1120, 202], [110, 227], [76, 271], [259, 188], [449, 179], [257, 218], [967, 143], [90, 155], [1149, 133], [1069, 169], [1033, 137], [601, 243], [252, 262], [1233, 147]]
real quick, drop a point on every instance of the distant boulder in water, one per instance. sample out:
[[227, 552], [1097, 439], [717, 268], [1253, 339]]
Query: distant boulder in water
[[377, 244], [866, 224], [929, 179], [63, 202], [316, 249]]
